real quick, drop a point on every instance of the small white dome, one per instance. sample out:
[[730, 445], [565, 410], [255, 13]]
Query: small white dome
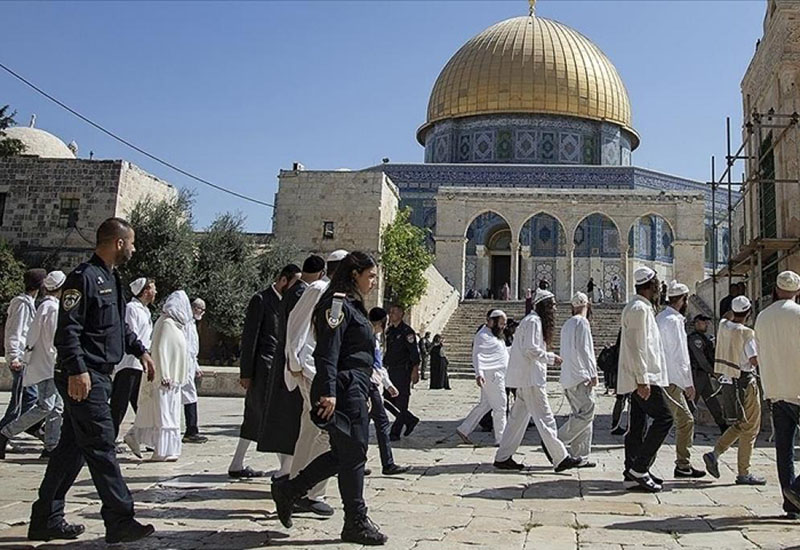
[[39, 143]]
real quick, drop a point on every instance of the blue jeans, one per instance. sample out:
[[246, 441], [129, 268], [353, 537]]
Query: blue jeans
[[22, 399], [786, 417], [48, 407]]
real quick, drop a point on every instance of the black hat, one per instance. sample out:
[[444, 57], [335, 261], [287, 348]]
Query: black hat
[[701, 317], [313, 264]]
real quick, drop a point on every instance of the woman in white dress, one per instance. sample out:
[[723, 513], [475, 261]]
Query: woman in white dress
[[158, 421]]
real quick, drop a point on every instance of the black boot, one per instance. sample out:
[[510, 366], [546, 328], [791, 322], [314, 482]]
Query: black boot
[[362, 530], [3, 443], [285, 498], [63, 531]]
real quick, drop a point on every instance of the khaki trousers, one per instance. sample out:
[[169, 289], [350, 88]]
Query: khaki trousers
[[311, 442], [746, 429], [684, 426]]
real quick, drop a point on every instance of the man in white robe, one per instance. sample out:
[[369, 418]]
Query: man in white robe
[[189, 388]]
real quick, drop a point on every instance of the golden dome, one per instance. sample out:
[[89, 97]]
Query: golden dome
[[530, 65]]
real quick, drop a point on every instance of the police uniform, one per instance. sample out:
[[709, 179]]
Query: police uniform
[[91, 338], [402, 355], [344, 357], [701, 355]]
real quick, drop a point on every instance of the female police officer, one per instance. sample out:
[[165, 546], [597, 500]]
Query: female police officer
[[344, 359]]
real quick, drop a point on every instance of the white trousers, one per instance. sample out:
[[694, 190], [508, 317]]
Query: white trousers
[[493, 398], [576, 432], [531, 402], [311, 442], [189, 388]]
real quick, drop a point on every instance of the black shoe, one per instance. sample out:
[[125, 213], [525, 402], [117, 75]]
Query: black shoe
[[687, 472], [45, 455], [792, 495], [394, 437], [547, 453], [645, 482], [3, 443], [790, 516], [317, 507], [246, 472], [410, 427], [65, 531], [284, 501], [363, 531], [367, 472], [586, 463], [508, 464], [196, 438], [712, 464], [394, 470], [618, 431], [132, 532], [568, 463]]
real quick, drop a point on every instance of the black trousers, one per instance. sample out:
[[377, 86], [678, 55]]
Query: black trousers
[[378, 415], [786, 419], [190, 412], [402, 381], [703, 388], [348, 453], [124, 390], [642, 442], [87, 434]]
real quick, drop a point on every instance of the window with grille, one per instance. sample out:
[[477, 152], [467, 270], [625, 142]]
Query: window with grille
[[767, 210], [68, 215]]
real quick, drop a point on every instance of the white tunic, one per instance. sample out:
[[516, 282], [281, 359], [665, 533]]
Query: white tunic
[[18, 320], [778, 336], [641, 355], [577, 352], [676, 348], [139, 320], [489, 353], [527, 364], [300, 339], [40, 353]]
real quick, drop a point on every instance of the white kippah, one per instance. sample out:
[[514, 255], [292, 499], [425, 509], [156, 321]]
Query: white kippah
[[497, 313], [740, 304], [541, 295], [788, 281], [54, 280], [580, 299], [138, 285], [337, 255], [676, 289], [643, 274]]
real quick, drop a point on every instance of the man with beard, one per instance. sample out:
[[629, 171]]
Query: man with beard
[[671, 322], [527, 372], [643, 374], [90, 339], [259, 340]]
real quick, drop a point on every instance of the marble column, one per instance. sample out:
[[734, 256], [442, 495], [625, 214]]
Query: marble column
[[625, 269], [571, 270], [515, 269]]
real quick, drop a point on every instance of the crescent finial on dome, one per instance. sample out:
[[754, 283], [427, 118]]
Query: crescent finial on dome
[[532, 7]]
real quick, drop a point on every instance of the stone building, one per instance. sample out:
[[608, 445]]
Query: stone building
[[52, 202]]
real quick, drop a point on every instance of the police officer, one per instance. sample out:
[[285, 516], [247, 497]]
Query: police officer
[[344, 357], [402, 361], [91, 339], [701, 355]]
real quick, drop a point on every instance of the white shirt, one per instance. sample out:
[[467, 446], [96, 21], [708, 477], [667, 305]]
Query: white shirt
[[139, 320], [527, 364], [489, 353], [676, 347], [777, 331], [18, 320], [192, 349], [577, 352], [380, 376], [40, 353], [300, 339], [641, 355]]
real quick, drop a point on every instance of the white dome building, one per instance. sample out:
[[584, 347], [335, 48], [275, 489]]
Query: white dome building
[[39, 143]]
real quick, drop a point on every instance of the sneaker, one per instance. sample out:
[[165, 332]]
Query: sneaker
[[645, 482], [394, 470], [658, 480], [793, 496], [132, 442], [464, 437], [284, 501], [508, 464], [567, 464], [410, 427], [318, 507], [65, 531], [196, 438], [363, 531], [688, 472], [618, 431], [712, 464], [132, 532], [246, 472], [630, 482], [750, 479]]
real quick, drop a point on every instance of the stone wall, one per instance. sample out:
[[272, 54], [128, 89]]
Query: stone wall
[[436, 306], [135, 184]]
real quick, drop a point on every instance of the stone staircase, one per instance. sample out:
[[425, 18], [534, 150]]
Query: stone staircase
[[461, 327]]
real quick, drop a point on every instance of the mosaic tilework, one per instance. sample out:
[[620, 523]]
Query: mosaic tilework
[[484, 146], [441, 152], [525, 146], [504, 145], [569, 148], [465, 147], [547, 146]]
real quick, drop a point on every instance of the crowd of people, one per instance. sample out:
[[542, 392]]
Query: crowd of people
[[317, 366]]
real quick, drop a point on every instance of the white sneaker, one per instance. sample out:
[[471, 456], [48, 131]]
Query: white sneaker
[[133, 443]]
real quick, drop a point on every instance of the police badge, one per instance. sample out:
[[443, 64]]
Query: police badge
[[70, 299], [335, 315]]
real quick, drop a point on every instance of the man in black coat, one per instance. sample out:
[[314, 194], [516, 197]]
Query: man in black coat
[[259, 342], [281, 422]]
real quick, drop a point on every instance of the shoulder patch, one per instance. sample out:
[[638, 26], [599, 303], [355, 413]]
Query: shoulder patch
[[698, 343], [411, 338], [70, 299], [335, 315]]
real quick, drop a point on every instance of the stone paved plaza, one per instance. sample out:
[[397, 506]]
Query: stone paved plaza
[[452, 499]]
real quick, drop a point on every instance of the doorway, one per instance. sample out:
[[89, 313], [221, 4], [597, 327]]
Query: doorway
[[500, 273]]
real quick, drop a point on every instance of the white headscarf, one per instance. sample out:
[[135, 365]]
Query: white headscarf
[[178, 308], [169, 346]]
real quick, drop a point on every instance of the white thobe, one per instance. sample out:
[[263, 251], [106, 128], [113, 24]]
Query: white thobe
[[577, 352], [189, 387], [490, 361], [18, 321], [777, 330], [641, 354], [671, 327], [139, 320], [40, 353]]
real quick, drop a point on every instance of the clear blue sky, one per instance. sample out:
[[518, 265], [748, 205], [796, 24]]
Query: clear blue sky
[[236, 91]]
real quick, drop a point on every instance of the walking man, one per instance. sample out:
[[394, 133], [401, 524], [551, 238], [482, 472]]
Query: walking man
[[90, 339], [189, 388], [701, 356], [737, 359], [578, 378], [777, 328], [671, 322], [643, 374], [402, 362], [424, 353]]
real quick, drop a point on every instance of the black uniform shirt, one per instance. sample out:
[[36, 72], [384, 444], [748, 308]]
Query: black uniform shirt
[[402, 350], [92, 333], [344, 342], [701, 351]]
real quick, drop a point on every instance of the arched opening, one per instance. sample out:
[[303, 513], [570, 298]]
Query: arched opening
[[651, 244], [597, 267], [544, 255], [488, 255]]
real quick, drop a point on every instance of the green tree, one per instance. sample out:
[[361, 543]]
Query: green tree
[[272, 257], [11, 272], [165, 244], [404, 259], [8, 146], [227, 272]]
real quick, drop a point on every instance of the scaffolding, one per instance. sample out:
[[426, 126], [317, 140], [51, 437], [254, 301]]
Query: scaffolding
[[757, 252]]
